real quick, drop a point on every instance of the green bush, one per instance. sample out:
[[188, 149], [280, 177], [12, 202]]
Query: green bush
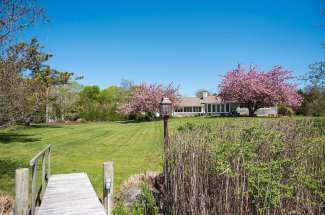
[[285, 110], [147, 206], [271, 166]]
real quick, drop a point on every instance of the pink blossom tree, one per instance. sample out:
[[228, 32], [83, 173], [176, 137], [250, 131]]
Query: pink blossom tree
[[259, 89], [146, 98]]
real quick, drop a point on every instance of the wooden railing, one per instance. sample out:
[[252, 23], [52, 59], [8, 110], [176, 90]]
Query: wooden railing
[[37, 195], [22, 184]]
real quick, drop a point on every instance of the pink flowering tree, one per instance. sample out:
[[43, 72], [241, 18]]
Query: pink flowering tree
[[146, 98], [259, 89]]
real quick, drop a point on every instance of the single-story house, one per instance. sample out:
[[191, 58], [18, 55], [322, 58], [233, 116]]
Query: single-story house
[[211, 105]]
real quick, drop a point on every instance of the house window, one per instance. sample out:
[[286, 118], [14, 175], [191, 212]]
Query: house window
[[218, 108], [222, 108], [209, 108], [188, 109], [213, 108], [227, 107], [196, 109]]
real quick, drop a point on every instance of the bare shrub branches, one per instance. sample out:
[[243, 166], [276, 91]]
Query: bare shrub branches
[[15, 15], [246, 167]]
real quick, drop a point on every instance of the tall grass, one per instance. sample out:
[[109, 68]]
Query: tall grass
[[246, 167]]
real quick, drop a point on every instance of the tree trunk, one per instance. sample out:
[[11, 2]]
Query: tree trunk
[[47, 106], [251, 109], [251, 112]]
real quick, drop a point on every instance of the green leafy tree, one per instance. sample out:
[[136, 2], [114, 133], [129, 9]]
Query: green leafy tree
[[199, 93], [314, 92], [22, 83]]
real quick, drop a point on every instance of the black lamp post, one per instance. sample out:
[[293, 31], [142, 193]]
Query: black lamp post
[[165, 110]]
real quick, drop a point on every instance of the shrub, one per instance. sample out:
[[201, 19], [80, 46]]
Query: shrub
[[246, 167], [146, 205], [285, 110], [6, 204]]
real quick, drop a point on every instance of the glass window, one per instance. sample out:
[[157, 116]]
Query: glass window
[[209, 108], [191, 109], [213, 108], [228, 107], [218, 108], [222, 108]]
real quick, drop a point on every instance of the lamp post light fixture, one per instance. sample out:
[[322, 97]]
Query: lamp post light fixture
[[165, 110]]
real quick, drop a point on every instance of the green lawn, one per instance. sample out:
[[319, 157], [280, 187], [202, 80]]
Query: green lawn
[[134, 148]]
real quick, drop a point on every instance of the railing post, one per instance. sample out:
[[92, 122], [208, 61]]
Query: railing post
[[21, 199], [43, 175], [34, 171], [49, 164], [108, 174]]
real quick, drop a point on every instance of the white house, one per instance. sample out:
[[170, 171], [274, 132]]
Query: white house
[[213, 106]]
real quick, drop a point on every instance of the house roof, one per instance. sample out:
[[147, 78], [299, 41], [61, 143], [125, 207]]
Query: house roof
[[211, 99], [194, 101], [190, 101]]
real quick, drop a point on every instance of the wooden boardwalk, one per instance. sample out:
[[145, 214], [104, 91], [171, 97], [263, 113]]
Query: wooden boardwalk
[[70, 194], [62, 194]]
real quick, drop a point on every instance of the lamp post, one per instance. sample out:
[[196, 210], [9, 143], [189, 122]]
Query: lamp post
[[165, 110]]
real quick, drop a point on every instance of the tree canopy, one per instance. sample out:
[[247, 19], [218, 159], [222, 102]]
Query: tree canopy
[[258, 89], [146, 98]]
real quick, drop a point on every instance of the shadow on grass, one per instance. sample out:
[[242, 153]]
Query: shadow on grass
[[8, 167], [7, 173], [137, 121], [6, 138], [45, 126]]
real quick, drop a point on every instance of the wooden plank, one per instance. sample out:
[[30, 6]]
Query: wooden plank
[[21, 199], [70, 194]]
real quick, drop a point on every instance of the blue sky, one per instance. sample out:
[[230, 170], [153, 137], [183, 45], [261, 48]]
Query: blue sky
[[189, 43]]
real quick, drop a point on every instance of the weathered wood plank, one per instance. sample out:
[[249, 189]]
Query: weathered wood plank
[[21, 199], [70, 194], [108, 175]]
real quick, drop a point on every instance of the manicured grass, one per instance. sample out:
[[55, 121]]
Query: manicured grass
[[134, 148]]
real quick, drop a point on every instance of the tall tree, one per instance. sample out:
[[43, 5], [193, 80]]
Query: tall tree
[[23, 92], [51, 78], [258, 89], [146, 98], [316, 75], [199, 93], [64, 100], [16, 15], [314, 92]]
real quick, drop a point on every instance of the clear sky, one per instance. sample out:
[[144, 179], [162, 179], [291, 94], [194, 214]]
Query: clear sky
[[189, 43]]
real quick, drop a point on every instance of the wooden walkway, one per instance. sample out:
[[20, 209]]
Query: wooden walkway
[[62, 194], [70, 194]]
